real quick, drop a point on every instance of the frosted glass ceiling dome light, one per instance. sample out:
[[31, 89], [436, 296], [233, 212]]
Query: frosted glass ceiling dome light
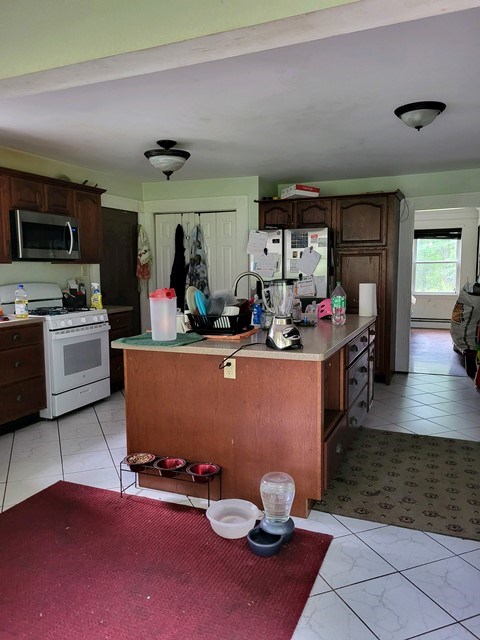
[[167, 159], [419, 114]]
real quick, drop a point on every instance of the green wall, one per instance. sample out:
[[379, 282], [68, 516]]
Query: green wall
[[53, 169], [71, 31], [414, 185]]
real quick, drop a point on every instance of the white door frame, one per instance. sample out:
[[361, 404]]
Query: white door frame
[[404, 282], [221, 203]]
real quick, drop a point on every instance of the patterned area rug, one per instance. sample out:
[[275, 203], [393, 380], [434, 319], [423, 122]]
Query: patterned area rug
[[424, 483]]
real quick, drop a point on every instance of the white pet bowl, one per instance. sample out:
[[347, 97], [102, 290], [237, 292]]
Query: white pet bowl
[[232, 518]]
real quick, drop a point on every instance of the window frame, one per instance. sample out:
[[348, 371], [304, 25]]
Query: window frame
[[437, 234]]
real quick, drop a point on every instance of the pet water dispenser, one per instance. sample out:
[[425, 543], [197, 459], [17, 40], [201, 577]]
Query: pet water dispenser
[[276, 527]]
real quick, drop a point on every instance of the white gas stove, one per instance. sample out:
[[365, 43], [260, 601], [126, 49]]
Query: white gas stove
[[77, 363]]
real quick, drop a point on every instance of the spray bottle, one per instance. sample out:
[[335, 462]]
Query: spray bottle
[[96, 298]]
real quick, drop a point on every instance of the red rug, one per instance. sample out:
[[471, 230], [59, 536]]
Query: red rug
[[84, 564]]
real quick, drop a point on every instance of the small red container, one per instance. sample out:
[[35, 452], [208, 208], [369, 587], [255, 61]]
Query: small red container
[[169, 467], [202, 471]]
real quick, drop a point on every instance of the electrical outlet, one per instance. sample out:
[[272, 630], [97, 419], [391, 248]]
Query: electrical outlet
[[230, 369]]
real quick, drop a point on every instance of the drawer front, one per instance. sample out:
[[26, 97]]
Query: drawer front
[[22, 363], [358, 411], [22, 398], [120, 321], [371, 374], [20, 336], [357, 377], [355, 347], [334, 451]]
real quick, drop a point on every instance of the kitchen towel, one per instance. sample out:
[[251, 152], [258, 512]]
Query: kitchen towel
[[144, 255], [367, 299]]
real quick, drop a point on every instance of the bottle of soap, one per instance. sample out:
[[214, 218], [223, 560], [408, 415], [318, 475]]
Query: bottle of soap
[[96, 297]]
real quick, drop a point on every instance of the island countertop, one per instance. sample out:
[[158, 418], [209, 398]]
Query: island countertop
[[319, 343]]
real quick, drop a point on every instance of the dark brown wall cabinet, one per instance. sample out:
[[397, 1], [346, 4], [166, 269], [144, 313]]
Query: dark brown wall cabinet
[[19, 190], [365, 237]]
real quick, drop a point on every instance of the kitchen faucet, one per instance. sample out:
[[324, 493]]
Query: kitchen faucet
[[247, 273]]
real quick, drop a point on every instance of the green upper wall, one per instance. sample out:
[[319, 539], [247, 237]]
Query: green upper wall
[[73, 31]]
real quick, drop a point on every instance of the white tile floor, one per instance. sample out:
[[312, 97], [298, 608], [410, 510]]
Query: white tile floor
[[376, 582]]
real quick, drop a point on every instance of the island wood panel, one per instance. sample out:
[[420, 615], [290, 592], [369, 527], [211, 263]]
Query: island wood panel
[[268, 419]]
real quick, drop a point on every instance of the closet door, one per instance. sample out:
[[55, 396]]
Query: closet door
[[220, 239]]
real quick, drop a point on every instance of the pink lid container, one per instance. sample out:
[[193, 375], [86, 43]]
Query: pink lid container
[[163, 293]]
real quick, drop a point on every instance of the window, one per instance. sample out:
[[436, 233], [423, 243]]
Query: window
[[436, 261]]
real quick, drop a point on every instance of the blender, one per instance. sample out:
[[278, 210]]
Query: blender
[[282, 334]]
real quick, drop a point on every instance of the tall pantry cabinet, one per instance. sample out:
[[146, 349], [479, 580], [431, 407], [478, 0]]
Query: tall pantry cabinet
[[365, 230]]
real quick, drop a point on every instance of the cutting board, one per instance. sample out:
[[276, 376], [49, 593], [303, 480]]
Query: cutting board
[[237, 336]]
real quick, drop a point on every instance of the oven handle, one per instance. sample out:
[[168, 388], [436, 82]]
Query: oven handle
[[69, 227], [61, 334]]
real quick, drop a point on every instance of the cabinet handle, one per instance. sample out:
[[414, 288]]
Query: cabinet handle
[[354, 348], [16, 336], [364, 339], [353, 381], [371, 332], [339, 448], [363, 369], [19, 397], [372, 358], [353, 421], [363, 404], [17, 364]]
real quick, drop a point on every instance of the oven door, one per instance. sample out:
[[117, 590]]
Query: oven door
[[78, 356]]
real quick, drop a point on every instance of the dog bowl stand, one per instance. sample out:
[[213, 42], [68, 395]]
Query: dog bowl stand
[[181, 475]]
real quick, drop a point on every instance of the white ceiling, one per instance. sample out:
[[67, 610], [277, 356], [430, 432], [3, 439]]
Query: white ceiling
[[317, 111]]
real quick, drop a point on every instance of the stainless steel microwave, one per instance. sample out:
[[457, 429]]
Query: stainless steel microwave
[[44, 236]]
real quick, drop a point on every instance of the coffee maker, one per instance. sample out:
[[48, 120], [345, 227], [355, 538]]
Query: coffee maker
[[283, 334]]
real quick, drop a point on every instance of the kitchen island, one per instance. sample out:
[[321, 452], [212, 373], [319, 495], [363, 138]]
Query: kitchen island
[[291, 410]]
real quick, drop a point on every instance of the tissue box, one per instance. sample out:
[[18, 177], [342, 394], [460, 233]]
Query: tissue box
[[299, 191]]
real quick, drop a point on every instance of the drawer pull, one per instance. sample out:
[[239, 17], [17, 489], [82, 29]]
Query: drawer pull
[[16, 336], [364, 339], [17, 364], [363, 404], [372, 358], [19, 397], [339, 447], [353, 381], [353, 421], [363, 369], [354, 348], [372, 332]]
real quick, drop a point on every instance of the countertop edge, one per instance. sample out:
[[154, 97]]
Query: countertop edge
[[320, 343]]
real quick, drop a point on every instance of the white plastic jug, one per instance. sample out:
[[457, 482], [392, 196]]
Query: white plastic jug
[[163, 314]]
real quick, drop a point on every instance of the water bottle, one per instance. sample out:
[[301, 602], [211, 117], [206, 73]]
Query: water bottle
[[256, 312], [21, 302], [339, 305]]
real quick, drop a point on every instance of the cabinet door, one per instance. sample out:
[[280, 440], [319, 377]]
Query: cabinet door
[[371, 373], [88, 211], [354, 267], [58, 199], [5, 255], [313, 213], [361, 220], [275, 214], [27, 194]]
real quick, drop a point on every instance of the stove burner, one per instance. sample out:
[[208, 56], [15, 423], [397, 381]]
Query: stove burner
[[56, 311]]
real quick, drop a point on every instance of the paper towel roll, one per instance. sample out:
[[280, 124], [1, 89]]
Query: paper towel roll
[[367, 299]]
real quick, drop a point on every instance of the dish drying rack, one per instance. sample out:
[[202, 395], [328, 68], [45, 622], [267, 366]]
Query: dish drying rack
[[220, 325]]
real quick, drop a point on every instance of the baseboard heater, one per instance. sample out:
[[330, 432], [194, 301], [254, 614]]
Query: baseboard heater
[[446, 321]]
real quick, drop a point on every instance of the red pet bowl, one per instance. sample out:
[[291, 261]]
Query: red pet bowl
[[202, 471], [169, 467]]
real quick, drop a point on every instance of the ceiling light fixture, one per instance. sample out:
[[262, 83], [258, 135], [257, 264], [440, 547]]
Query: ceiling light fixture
[[167, 159], [419, 114]]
